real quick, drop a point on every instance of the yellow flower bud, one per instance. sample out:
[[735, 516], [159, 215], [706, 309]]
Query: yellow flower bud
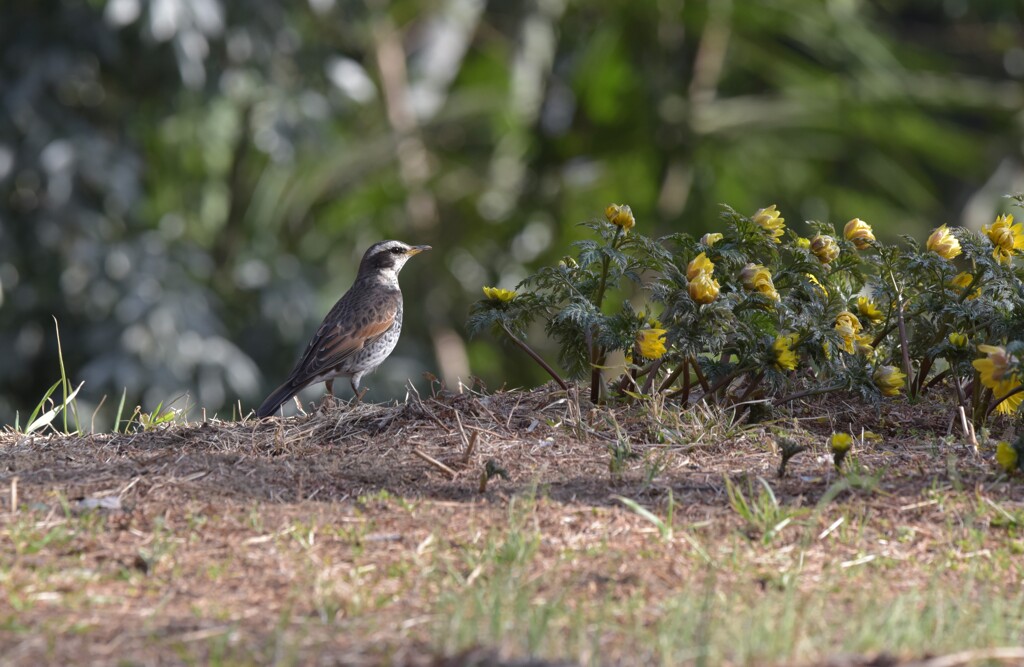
[[758, 278], [840, 442], [711, 238], [824, 248], [859, 233], [848, 326], [620, 215], [699, 264], [703, 288], [770, 220], [498, 294], [957, 339], [889, 380], [943, 243], [804, 243], [1005, 236]]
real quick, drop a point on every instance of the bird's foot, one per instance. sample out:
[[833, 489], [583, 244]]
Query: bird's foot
[[328, 403], [358, 397]]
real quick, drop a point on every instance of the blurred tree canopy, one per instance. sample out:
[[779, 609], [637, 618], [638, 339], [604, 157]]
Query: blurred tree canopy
[[187, 185]]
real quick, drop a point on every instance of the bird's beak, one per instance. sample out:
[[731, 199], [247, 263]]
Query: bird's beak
[[416, 249]]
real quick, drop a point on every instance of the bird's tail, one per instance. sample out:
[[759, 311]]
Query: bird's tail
[[277, 399]]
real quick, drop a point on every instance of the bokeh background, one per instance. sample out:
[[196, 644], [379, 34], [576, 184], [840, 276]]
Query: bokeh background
[[188, 185]]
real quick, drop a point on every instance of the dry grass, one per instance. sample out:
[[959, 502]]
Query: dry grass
[[360, 535]]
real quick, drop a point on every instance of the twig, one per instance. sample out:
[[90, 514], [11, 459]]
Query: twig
[[1002, 654], [469, 442], [470, 448], [536, 357], [968, 429], [434, 462]]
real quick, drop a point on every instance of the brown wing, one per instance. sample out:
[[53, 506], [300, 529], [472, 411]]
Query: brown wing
[[359, 318]]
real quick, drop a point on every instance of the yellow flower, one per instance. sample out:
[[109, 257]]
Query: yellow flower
[[810, 276], [995, 367], [757, 278], [868, 309], [1005, 236], [957, 339], [703, 288], [804, 243], [1006, 456], [711, 238], [849, 319], [620, 215], [962, 281], [651, 343], [824, 248], [863, 344], [889, 380], [1011, 404], [841, 442], [699, 264], [770, 220], [498, 294], [848, 326], [943, 243], [785, 357], [859, 233]]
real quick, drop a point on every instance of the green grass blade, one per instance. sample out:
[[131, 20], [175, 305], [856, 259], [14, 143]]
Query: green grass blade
[[120, 410], [48, 416], [42, 402]]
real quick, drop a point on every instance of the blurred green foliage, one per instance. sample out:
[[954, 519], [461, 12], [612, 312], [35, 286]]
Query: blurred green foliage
[[187, 185]]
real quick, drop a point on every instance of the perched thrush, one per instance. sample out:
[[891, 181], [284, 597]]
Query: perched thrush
[[360, 331]]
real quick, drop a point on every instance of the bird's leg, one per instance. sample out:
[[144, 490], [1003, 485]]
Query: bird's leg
[[358, 393], [328, 401]]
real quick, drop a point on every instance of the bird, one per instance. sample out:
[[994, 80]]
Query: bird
[[358, 333]]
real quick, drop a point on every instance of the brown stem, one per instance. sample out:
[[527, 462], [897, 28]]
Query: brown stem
[[674, 375], [652, 373], [700, 376], [935, 380], [741, 404], [536, 357], [904, 345]]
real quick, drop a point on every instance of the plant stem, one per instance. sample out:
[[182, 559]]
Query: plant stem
[[904, 345], [536, 357], [597, 354], [674, 375], [700, 376], [652, 374]]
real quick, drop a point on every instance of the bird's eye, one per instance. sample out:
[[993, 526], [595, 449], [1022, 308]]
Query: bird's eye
[[396, 251]]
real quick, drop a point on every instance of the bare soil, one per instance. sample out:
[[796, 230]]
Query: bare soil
[[308, 540]]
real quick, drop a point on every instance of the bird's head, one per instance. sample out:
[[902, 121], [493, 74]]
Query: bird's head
[[387, 258]]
